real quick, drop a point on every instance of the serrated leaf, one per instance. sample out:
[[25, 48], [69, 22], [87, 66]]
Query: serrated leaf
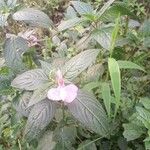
[[39, 117], [33, 17], [145, 114], [90, 86], [146, 102], [82, 8], [2, 4], [86, 109], [39, 94], [105, 7], [69, 23], [123, 64], [3, 19], [106, 97], [145, 30], [79, 63], [14, 48], [115, 80], [65, 136], [118, 8], [132, 131], [46, 67], [87, 145], [70, 13], [30, 80], [22, 105], [11, 3], [103, 36], [46, 142]]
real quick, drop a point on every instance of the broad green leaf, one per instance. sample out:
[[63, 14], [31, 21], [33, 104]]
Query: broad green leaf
[[106, 97], [94, 72], [69, 23], [132, 131], [22, 104], [39, 94], [86, 109], [123, 64], [145, 30], [105, 7], [2, 4], [46, 142], [145, 114], [65, 136], [146, 102], [3, 19], [115, 79], [39, 117], [33, 17], [46, 67], [147, 143], [14, 48], [5, 88], [87, 145], [30, 80], [90, 86], [118, 8], [103, 36], [82, 8], [11, 3], [79, 63], [70, 13]]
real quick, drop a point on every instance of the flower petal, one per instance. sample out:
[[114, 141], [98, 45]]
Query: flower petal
[[71, 91], [54, 94]]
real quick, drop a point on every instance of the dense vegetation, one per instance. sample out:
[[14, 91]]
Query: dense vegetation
[[74, 75]]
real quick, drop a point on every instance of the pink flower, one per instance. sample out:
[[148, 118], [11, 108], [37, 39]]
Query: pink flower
[[66, 93]]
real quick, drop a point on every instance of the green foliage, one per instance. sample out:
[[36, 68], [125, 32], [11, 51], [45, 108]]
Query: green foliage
[[101, 47]]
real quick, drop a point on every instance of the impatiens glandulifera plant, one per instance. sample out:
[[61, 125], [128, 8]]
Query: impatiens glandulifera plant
[[46, 95]]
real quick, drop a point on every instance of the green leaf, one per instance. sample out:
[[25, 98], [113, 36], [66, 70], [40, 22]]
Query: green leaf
[[115, 80], [145, 114], [65, 136], [11, 3], [70, 13], [86, 109], [114, 34], [33, 17], [145, 30], [79, 63], [69, 23], [46, 142], [106, 97], [123, 64], [82, 8], [132, 131], [147, 143], [14, 48], [39, 117], [90, 86], [21, 105], [46, 67], [118, 8], [39, 94], [3, 19], [30, 80], [105, 7], [87, 145], [146, 102], [103, 36]]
